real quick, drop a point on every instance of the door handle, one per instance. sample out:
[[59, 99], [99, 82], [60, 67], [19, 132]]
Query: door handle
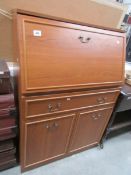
[[84, 40], [52, 126]]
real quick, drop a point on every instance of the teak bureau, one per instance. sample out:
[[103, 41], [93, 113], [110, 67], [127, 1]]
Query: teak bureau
[[70, 76]]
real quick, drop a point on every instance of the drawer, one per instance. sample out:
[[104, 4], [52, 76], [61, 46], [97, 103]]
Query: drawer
[[8, 133], [7, 153], [40, 105], [8, 162], [6, 101], [6, 145], [9, 112], [7, 122]]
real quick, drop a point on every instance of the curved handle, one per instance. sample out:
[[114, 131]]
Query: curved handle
[[84, 40], [96, 116], [53, 109], [101, 100], [47, 126], [99, 115], [53, 126]]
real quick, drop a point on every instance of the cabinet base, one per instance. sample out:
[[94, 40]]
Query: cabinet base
[[23, 169]]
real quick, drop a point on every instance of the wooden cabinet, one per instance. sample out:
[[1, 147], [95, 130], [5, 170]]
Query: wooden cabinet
[[89, 128], [70, 76], [47, 139]]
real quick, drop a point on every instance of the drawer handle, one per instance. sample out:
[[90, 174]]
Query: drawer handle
[[84, 40], [101, 100], [53, 109]]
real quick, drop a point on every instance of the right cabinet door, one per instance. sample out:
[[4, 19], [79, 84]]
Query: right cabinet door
[[89, 128]]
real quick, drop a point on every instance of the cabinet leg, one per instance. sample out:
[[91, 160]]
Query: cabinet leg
[[101, 145]]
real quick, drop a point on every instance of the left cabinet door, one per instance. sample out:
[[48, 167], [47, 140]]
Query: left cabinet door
[[46, 139]]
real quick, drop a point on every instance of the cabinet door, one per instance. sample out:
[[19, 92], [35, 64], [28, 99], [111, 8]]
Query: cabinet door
[[89, 129], [47, 139], [55, 56]]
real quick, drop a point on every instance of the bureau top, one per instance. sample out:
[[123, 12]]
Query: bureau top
[[60, 56], [41, 15]]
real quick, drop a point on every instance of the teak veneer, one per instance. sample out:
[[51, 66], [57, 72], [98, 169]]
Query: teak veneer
[[70, 76]]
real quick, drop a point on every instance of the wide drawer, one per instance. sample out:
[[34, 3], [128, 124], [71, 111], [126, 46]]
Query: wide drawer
[[43, 105]]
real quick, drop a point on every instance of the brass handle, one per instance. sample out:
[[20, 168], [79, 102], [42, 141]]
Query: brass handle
[[53, 109], [99, 115], [84, 40], [101, 100], [96, 116], [47, 126], [53, 126]]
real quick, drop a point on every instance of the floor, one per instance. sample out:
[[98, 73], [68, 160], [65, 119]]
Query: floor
[[114, 159]]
